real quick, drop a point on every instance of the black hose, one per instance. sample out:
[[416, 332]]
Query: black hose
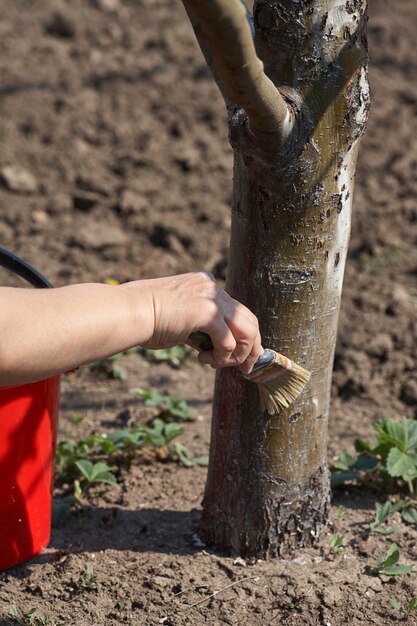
[[18, 266]]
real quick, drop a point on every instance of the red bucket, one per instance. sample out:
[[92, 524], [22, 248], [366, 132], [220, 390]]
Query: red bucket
[[28, 419], [28, 423]]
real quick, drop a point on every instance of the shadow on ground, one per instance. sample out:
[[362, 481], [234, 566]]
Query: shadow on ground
[[142, 530]]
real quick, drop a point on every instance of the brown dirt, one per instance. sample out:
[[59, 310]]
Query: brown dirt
[[110, 107]]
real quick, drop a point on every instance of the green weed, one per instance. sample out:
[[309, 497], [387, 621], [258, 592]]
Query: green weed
[[110, 367], [175, 356], [186, 457], [77, 418], [83, 458], [388, 564], [88, 579], [408, 609], [96, 472], [383, 512], [336, 542], [93, 473], [30, 618], [340, 512], [169, 406], [392, 457]]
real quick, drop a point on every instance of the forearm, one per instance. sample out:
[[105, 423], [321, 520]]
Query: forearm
[[47, 332], [44, 332]]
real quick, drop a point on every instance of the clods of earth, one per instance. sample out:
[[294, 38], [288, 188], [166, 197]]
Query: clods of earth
[[115, 166]]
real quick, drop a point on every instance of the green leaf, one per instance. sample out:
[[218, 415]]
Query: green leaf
[[400, 463], [365, 462], [175, 356], [362, 446], [98, 473], [119, 372], [392, 432], [172, 430], [152, 398], [345, 461], [412, 605], [392, 556], [395, 604], [185, 456], [387, 565], [382, 450], [85, 467], [385, 531], [396, 570], [178, 407], [339, 478], [336, 542], [382, 514], [203, 461], [400, 505], [169, 405], [409, 515], [412, 433]]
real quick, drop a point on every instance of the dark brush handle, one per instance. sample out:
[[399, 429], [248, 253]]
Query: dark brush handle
[[203, 341]]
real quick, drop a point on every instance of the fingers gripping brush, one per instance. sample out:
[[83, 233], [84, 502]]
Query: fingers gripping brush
[[280, 380]]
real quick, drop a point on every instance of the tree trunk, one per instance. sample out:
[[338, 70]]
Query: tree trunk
[[268, 485]]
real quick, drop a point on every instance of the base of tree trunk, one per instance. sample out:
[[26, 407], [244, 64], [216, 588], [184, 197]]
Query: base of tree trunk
[[294, 517]]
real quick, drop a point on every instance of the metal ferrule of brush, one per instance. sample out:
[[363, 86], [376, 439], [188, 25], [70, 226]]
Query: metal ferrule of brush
[[264, 360]]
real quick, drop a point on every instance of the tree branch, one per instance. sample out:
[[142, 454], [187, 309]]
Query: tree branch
[[226, 30]]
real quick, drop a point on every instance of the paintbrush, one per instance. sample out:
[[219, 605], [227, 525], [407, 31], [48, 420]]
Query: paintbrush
[[279, 379]]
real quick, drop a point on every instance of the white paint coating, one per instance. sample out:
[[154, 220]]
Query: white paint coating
[[338, 251], [364, 90], [338, 17], [287, 124]]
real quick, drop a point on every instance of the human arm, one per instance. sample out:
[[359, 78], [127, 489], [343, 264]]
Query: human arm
[[44, 332]]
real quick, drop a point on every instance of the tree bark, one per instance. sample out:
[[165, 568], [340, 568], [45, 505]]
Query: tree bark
[[267, 489]]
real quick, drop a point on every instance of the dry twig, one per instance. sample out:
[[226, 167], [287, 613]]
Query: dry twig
[[213, 595]]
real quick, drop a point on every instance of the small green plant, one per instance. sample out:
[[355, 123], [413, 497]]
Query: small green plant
[[384, 511], [175, 356], [119, 445], [340, 512], [169, 406], [336, 542], [388, 564], [88, 579], [186, 457], [93, 473], [30, 618], [409, 513], [110, 367], [408, 609], [349, 467], [77, 418], [96, 472], [392, 456]]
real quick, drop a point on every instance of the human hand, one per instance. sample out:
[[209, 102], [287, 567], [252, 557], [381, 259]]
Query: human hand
[[195, 302]]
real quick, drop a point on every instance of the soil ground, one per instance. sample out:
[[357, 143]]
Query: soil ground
[[109, 106]]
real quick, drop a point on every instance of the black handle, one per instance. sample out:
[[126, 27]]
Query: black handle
[[203, 341], [22, 268]]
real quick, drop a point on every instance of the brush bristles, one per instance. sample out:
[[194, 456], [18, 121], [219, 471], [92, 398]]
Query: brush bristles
[[279, 386]]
